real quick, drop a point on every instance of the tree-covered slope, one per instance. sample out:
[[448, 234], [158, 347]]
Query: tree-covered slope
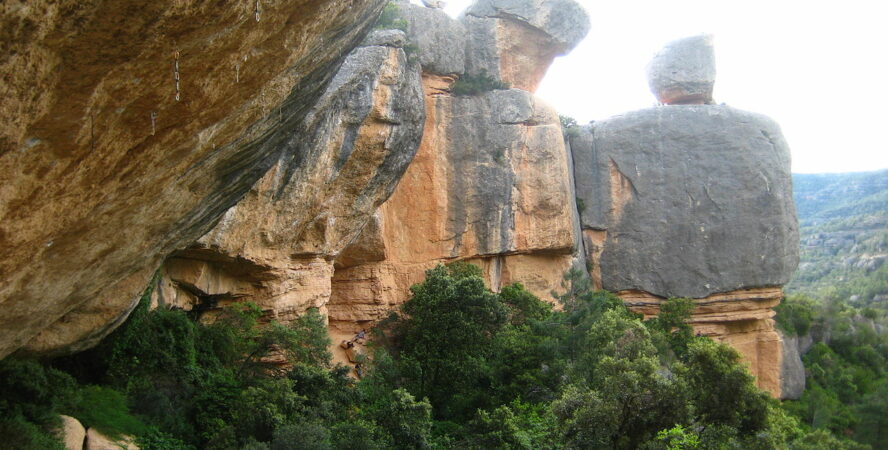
[[844, 236], [838, 304]]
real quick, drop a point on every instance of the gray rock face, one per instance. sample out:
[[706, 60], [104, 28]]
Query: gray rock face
[[385, 38], [439, 40], [683, 72], [792, 371], [343, 161], [501, 147], [695, 200], [515, 41], [565, 21]]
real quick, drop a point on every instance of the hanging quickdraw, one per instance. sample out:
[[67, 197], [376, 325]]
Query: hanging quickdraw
[[153, 122], [237, 73], [176, 74], [257, 10]]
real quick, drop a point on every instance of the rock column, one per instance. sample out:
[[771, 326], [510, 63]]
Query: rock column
[[692, 200]]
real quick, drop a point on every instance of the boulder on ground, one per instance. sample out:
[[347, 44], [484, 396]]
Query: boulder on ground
[[71, 433]]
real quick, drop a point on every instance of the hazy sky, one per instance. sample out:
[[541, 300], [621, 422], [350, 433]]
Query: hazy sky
[[817, 67]]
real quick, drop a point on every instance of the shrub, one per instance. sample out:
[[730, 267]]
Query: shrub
[[795, 314], [390, 19], [34, 392], [106, 409], [19, 434], [468, 84]]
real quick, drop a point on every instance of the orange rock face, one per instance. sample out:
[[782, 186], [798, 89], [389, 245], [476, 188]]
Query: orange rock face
[[453, 204], [741, 319], [276, 247], [105, 171]]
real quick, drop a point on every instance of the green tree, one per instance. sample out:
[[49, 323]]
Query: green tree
[[447, 332], [722, 390], [406, 420], [873, 414]]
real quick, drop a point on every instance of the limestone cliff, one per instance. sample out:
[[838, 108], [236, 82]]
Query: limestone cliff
[[276, 247], [281, 155], [489, 183], [128, 128]]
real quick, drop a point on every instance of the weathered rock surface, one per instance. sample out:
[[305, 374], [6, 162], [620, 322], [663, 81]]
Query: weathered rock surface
[[439, 41], [276, 247], [792, 371], [96, 440], [689, 201], [487, 185], [515, 41], [683, 72], [693, 201], [71, 433], [105, 172], [385, 38]]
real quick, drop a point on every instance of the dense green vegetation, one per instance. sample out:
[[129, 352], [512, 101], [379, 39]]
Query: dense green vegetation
[[846, 366], [458, 366], [839, 305]]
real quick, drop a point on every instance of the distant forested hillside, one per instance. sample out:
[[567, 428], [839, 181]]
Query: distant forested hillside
[[838, 305], [844, 236]]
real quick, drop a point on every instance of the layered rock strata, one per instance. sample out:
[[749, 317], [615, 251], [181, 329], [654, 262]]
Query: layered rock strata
[[128, 128]]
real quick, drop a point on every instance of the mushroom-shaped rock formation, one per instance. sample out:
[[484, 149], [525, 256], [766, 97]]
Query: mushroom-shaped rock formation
[[683, 72], [693, 201]]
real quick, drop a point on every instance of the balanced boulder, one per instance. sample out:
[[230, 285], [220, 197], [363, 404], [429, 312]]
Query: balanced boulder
[[683, 72]]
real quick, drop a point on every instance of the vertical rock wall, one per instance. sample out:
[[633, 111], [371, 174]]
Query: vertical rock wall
[[489, 184], [276, 247]]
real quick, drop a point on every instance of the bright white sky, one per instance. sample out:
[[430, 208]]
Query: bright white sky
[[817, 67]]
